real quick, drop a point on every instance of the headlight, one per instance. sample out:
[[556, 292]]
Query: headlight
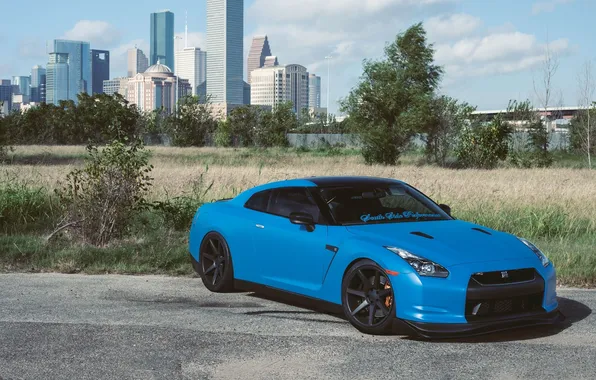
[[423, 266], [543, 259]]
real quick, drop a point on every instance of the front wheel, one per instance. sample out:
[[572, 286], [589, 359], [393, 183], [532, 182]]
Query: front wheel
[[215, 264], [367, 298]]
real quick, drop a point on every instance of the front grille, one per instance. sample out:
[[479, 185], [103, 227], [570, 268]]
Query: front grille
[[502, 307], [505, 277]]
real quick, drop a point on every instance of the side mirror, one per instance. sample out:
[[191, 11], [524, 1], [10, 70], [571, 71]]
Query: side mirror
[[303, 219], [445, 208]]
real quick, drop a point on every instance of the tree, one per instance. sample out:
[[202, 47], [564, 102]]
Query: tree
[[583, 127], [193, 123], [244, 122], [447, 117], [382, 105], [275, 126]]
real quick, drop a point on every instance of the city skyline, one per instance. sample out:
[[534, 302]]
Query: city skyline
[[517, 31]]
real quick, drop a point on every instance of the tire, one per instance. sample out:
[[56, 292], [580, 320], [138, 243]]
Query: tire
[[215, 264], [366, 286]]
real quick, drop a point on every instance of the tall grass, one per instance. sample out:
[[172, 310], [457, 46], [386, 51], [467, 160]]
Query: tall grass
[[556, 208]]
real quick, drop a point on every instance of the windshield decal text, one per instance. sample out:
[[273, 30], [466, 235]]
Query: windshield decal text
[[392, 216]]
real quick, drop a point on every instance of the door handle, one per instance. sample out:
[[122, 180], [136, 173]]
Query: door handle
[[260, 226]]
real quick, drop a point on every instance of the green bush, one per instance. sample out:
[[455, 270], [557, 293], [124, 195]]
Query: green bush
[[100, 198], [483, 146]]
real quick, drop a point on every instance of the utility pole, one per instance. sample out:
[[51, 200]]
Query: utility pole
[[328, 58]]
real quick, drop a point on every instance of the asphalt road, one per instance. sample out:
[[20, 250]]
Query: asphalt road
[[120, 327]]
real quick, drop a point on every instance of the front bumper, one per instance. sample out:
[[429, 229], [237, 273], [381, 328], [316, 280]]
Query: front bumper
[[459, 330]]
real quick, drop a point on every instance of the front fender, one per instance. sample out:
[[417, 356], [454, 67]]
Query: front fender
[[351, 251]]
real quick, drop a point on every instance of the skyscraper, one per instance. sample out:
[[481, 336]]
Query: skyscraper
[[79, 66], [57, 78], [100, 69], [259, 50], [137, 62], [5, 96], [225, 29], [191, 64], [23, 84], [162, 38], [269, 86], [38, 84], [298, 78], [314, 91]]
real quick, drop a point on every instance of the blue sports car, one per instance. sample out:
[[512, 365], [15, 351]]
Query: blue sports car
[[378, 248]]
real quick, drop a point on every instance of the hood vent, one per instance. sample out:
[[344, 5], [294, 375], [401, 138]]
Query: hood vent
[[481, 230], [422, 234]]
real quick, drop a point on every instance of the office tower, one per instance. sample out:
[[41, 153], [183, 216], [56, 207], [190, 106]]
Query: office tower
[[191, 64], [269, 86], [137, 62], [117, 85], [79, 66], [298, 83], [155, 89], [259, 50], [58, 78], [100, 69], [162, 38], [5, 96], [314, 91], [246, 94], [271, 61], [225, 27], [22, 85], [38, 84]]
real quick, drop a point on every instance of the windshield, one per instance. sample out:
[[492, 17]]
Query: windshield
[[390, 204]]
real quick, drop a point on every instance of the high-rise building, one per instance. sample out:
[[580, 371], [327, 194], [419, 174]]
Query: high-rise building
[[162, 38], [137, 62], [191, 64], [79, 66], [100, 69], [271, 61], [246, 95], [58, 78], [155, 89], [117, 85], [279, 84], [314, 91], [38, 84], [225, 29], [269, 86], [5, 96], [23, 85], [259, 50], [298, 78]]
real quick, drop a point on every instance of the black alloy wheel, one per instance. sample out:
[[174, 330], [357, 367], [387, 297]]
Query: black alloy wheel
[[367, 298], [216, 264]]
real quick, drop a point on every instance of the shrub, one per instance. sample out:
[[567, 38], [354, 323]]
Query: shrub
[[100, 198], [483, 146]]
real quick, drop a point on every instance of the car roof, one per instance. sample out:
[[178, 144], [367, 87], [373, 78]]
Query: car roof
[[332, 181], [351, 181]]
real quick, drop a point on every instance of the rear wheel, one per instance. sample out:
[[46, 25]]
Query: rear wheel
[[367, 298], [215, 264]]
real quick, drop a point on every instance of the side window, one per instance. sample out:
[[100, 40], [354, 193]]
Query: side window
[[286, 201], [258, 201]]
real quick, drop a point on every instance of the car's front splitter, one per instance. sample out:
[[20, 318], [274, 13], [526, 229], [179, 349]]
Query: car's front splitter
[[459, 330]]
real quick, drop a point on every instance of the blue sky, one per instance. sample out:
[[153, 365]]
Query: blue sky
[[491, 49]]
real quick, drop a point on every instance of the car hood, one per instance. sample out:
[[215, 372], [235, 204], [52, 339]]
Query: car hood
[[447, 242]]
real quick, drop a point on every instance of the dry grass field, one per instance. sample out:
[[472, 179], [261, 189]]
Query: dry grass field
[[555, 207]]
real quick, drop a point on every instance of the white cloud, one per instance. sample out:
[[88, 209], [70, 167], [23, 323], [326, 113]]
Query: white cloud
[[497, 53], [447, 27], [548, 6], [32, 48], [99, 33]]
